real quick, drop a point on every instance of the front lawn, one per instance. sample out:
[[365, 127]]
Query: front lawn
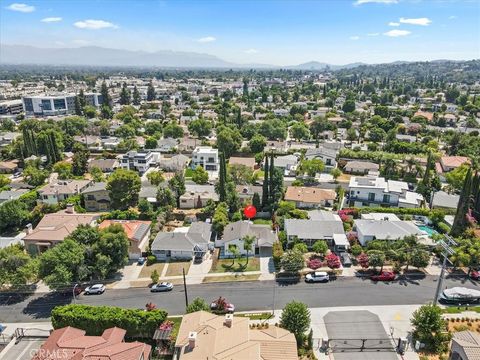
[[175, 268], [148, 269], [262, 222], [239, 265], [228, 278]]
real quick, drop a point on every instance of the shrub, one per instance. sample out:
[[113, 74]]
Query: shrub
[[356, 250], [277, 253], [314, 264], [95, 319], [151, 259], [333, 261], [443, 228]]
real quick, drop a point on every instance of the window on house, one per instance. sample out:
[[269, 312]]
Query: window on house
[[386, 198], [371, 196]]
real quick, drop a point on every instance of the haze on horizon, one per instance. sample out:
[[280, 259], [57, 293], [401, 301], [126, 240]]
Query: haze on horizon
[[277, 33]]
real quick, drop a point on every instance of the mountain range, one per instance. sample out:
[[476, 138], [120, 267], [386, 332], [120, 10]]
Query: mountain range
[[99, 56]]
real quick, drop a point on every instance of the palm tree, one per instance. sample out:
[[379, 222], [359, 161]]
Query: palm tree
[[389, 167], [248, 241], [232, 248]]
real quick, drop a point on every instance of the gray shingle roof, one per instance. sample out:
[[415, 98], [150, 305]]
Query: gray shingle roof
[[313, 229], [384, 230], [443, 199], [240, 229], [198, 235]]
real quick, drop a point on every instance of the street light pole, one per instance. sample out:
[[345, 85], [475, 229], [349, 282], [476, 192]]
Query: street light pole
[[74, 297], [447, 250]]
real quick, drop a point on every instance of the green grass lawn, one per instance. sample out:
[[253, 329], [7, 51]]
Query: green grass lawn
[[262, 222], [148, 269], [228, 278], [457, 310], [257, 316], [240, 265], [175, 268]]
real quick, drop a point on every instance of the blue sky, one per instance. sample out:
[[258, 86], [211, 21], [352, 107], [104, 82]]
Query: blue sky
[[270, 32]]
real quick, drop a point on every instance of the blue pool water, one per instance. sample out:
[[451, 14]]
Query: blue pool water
[[427, 229]]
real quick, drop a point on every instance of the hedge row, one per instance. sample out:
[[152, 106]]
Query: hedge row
[[95, 319], [405, 211]]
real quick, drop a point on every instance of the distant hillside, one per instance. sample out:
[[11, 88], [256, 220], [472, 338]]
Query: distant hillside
[[315, 65]]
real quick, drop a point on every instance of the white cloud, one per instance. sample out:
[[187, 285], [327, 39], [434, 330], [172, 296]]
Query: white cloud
[[418, 21], [361, 2], [95, 24], [391, 23], [397, 33], [21, 7], [251, 51], [51, 19], [207, 39], [373, 34], [354, 37], [452, 17]]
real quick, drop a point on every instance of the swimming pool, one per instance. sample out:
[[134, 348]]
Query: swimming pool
[[427, 229]]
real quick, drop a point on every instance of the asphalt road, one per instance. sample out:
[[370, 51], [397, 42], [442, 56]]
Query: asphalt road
[[257, 295]]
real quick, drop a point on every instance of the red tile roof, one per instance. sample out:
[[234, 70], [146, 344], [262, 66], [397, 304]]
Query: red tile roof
[[129, 226]]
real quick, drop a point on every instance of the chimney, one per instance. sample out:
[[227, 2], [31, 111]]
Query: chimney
[[70, 209], [29, 229], [192, 337], [228, 320]]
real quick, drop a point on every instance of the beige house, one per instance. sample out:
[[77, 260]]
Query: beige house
[[138, 233], [96, 197], [54, 228], [59, 190], [203, 335], [310, 197], [246, 161]]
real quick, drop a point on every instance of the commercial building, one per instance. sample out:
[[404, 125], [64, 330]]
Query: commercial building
[[11, 107], [60, 104]]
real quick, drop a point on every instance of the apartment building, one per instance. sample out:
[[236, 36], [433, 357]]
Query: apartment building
[[60, 104]]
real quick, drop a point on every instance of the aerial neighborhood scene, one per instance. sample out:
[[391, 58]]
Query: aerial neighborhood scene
[[236, 180]]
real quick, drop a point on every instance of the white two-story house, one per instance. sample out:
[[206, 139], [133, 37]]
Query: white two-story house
[[206, 157], [137, 161], [376, 191]]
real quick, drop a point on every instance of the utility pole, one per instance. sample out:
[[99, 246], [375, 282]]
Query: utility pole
[[74, 297], [447, 250], [185, 288]]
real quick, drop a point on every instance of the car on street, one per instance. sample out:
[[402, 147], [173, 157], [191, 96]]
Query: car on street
[[161, 287], [95, 289], [317, 276], [475, 275], [384, 276], [141, 260]]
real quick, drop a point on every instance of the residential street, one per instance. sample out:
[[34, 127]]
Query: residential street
[[246, 296]]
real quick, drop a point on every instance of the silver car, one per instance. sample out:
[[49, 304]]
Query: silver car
[[317, 276], [95, 289], [163, 286]]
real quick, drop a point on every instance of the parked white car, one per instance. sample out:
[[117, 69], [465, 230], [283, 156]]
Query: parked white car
[[163, 286], [95, 289], [317, 276]]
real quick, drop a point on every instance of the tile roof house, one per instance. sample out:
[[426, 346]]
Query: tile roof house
[[54, 228], [203, 335], [360, 167], [70, 343], [234, 233], [449, 163], [184, 243], [465, 345], [138, 233], [310, 197]]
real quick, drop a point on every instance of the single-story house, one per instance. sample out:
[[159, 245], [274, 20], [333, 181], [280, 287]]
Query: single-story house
[[360, 167], [175, 163], [184, 243], [287, 163], [245, 192], [8, 195], [203, 335], [465, 345], [310, 231], [444, 200], [138, 233], [310, 197], [196, 196], [449, 163], [326, 154], [96, 197], [8, 167], [235, 232], [368, 230], [54, 228], [106, 165], [246, 161], [167, 144]]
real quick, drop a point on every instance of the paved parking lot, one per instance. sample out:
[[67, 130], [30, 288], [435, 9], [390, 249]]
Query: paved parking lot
[[351, 328]]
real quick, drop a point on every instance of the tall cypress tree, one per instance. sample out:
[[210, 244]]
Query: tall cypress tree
[[78, 107], [151, 95], [222, 192], [124, 95], [105, 96], [136, 96], [81, 99], [265, 192], [460, 221], [270, 178]]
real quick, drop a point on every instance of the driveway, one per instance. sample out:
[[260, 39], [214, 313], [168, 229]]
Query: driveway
[[267, 268], [349, 331], [197, 272]]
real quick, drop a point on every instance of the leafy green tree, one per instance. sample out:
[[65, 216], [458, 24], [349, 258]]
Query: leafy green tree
[[377, 134], [292, 261], [4, 181], [136, 96], [348, 106], [123, 187], [64, 170], [200, 127], [240, 174], [233, 249], [89, 111], [301, 247], [151, 143], [177, 185], [222, 178], [460, 220], [320, 247], [376, 259], [265, 185], [336, 173], [155, 276], [198, 304], [80, 160], [296, 319], [63, 265], [228, 141], [220, 218], [456, 177], [173, 130], [97, 174], [430, 328], [106, 99], [256, 201], [165, 197], [311, 167], [153, 128], [420, 258], [200, 175], [257, 143], [33, 176], [13, 214], [16, 267], [155, 177], [299, 131]]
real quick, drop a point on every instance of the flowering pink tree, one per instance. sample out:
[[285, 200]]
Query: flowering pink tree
[[314, 263], [333, 261], [363, 260]]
